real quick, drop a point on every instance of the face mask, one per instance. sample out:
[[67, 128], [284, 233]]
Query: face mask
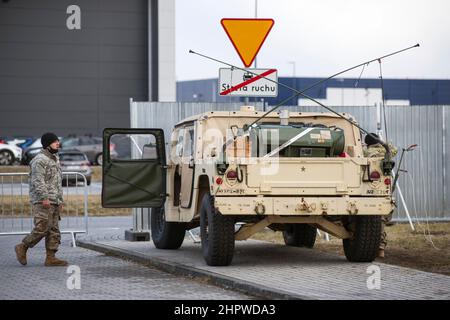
[[52, 151]]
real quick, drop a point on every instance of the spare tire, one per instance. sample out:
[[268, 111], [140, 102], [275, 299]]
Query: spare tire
[[300, 235]]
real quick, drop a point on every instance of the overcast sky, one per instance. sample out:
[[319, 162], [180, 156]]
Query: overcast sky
[[321, 36]]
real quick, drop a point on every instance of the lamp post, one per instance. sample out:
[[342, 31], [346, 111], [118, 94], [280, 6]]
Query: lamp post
[[293, 79]]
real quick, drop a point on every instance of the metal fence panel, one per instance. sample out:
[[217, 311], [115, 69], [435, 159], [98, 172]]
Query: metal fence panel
[[425, 186], [16, 216]]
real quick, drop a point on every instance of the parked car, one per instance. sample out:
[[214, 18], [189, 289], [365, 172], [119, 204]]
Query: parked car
[[75, 161], [90, 146], [31, 151], [28, 154], [9, 154]]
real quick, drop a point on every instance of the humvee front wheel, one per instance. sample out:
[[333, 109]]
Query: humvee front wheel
[[166, 235], [364, 245], [217, 234], [300, 235]]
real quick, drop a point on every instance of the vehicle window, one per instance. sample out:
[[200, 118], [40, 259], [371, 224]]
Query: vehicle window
[[179, 147], [97, 140], [134, 146], [85, 141], [188, 146], [72, 157], [70, 143]]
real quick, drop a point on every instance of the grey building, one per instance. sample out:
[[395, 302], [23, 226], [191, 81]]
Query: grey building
[[73, 70]]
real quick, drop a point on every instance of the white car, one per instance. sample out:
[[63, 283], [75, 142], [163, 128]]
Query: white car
[[9, 154]]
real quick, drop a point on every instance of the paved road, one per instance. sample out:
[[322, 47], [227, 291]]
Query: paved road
[[102, 277]]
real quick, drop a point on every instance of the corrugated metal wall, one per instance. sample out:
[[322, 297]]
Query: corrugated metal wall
[[426, 184]]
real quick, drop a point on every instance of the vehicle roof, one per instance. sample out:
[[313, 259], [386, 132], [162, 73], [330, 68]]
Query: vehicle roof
[[256, 114]]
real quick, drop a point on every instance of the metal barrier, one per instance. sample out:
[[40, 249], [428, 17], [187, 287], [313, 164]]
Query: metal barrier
[[16, 217]]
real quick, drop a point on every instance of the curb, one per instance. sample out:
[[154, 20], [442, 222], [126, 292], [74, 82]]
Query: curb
[[225, 282]]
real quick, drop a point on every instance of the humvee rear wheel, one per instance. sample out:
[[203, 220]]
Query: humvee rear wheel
[[364, 245], [300, 235], [166, 235], [217, 234]]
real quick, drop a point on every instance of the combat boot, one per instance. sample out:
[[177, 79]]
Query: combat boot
[[21, 253], [52, 261]]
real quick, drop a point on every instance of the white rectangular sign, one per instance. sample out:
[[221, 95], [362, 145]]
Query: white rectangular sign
[[248, 82]]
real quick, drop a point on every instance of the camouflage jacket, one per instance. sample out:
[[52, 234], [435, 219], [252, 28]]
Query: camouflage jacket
[[377, 150], [46, 178]]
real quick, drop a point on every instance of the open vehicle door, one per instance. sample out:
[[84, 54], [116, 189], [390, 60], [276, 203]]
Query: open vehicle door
[[134, 175]]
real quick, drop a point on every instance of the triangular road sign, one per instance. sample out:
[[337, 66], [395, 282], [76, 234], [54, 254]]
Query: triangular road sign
[[247, 36]]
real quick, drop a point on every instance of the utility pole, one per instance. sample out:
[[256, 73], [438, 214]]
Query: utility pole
[[293, 78]]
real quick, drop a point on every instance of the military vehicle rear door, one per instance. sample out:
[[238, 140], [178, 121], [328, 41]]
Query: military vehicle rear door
[[134, 168]]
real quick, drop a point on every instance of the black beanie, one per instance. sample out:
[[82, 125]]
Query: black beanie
[[48, 138], [371, 140]]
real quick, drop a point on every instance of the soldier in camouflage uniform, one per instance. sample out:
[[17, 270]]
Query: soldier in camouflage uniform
[[375, 149], [46, 197]]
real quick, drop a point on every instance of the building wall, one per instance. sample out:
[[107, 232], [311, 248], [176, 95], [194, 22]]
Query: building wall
[[166, 51], [71, 81]]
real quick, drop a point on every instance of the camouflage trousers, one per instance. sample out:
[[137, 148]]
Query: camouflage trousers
[[384, 221], [46, 224]]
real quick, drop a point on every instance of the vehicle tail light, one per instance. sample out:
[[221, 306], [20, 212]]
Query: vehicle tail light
[[219, 180], [387, 181], [232, 175], [343, 155], [375, 175]]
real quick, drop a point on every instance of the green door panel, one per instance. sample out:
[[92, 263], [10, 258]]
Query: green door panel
[[139, 183]]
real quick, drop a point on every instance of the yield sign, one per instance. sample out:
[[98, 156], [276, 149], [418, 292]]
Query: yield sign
[[247, 36]]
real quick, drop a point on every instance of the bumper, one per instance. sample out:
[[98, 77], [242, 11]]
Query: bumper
[[304, 205], [73, 177]]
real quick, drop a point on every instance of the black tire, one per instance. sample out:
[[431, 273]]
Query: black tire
[[88, 181], [99, 159], [217, 234], [300, 235], [364, 245], [166, 235], [6, 158]]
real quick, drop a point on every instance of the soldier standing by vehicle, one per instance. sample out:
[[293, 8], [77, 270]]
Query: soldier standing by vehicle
[[46, 197]]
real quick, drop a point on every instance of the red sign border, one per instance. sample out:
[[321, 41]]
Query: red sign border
[[234, 45], [243, 84]]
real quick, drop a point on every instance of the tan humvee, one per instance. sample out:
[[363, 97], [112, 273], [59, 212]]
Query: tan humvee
[[293, 172]]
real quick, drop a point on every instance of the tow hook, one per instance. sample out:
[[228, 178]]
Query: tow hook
[[352, 209], [304, 206], [260, 208]]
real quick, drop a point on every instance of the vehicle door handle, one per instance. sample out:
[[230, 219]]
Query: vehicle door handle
[[191, 163]]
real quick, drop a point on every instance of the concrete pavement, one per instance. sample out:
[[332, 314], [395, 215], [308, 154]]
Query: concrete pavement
[[102, 277], [281, 272]]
